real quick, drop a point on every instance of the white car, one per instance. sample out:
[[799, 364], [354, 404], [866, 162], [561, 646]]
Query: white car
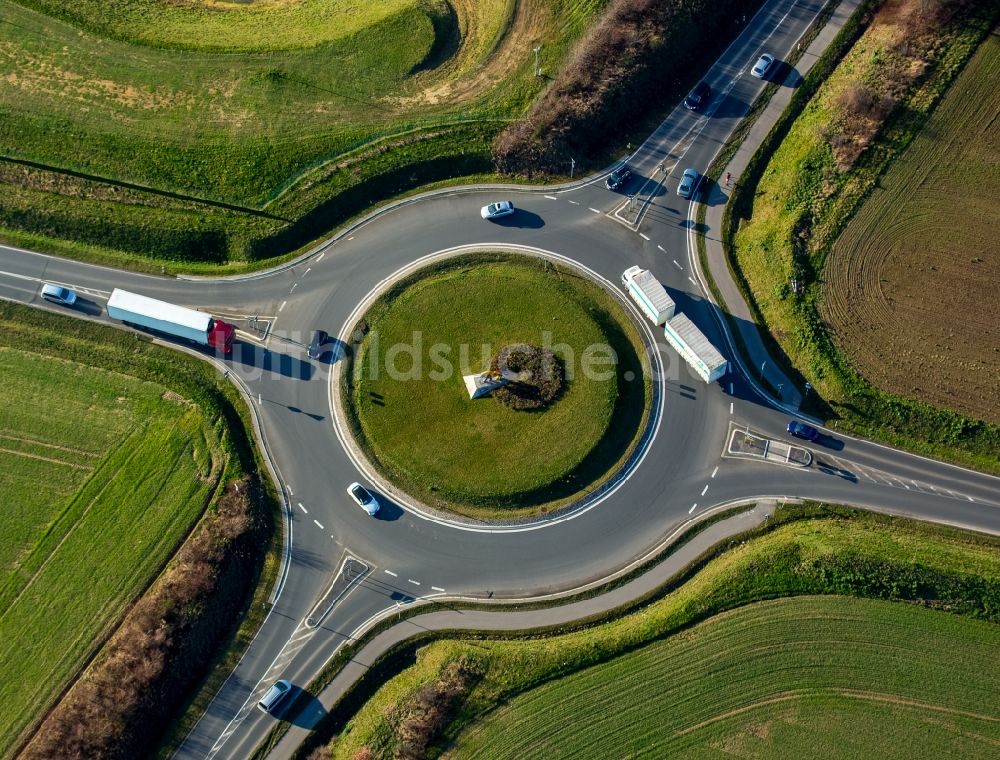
[[762, 66], [363, 498], [58, 294], [497, 210]]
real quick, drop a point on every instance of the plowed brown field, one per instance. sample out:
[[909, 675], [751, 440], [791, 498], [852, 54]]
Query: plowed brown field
[[911, 286]]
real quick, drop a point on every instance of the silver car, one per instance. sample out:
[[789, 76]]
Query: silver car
[[497, 210], [58, 294], [689, 183], [278, 691], [762, 66]]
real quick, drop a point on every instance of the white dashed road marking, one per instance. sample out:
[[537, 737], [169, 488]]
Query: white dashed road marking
[[436, 588], [415, 583], [730, 407], [320, 257], [678, 265], [319, 524], [713, 473], [303, 508], [693, 282], [551, 197], [703, 490], [575, 203], [308, 270], [693, 507], [282, 305], [662, 248], [644, 236], [595, 210], [389, 572]]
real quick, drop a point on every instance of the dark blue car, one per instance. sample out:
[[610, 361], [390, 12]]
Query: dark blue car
[[801, 430]]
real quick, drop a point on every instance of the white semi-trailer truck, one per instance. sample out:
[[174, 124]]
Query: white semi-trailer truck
[[649, 294], [695, 348], [170, 319]]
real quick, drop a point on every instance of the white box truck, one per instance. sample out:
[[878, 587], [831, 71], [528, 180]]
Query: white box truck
[[647, 291], [170, 319], [695, 349]]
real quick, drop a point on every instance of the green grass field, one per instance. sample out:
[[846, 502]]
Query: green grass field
[[101, 475], [785, 224], [791, 678], [923, 667], [416, 416], [278, 109]]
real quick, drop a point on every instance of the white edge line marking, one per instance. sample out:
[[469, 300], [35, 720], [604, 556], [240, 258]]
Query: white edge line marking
[[303, 508], [318, 524], [389, 572], [971, 499], [290, 491], [644, 236]]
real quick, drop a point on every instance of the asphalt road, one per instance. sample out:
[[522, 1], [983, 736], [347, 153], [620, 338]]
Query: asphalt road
[[403, 555]]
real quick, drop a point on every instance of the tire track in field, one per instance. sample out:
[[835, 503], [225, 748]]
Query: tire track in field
[[910, 284]]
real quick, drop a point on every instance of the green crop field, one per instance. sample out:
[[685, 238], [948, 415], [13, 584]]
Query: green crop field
[[414, 411], [792, 678], [289, 114], [697, 672], [101, 475]]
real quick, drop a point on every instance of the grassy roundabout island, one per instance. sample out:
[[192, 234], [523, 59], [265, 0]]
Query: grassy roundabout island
[[497, 456]]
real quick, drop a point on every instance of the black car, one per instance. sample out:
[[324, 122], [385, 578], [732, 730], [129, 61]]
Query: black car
[[317, 340], [699, 97], [618, 177]]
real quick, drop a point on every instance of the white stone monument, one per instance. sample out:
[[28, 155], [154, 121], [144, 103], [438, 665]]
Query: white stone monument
[[486, 382]]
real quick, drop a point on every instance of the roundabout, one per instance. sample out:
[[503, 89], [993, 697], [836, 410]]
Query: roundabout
[[535, 442]]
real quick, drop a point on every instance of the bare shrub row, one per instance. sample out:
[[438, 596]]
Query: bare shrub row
[[637, 59], [121, 704]]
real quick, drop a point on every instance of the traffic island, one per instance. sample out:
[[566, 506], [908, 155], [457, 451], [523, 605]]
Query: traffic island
[[497, 386], [747, 444]]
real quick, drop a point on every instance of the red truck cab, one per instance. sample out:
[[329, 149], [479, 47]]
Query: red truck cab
[[220, 336]]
